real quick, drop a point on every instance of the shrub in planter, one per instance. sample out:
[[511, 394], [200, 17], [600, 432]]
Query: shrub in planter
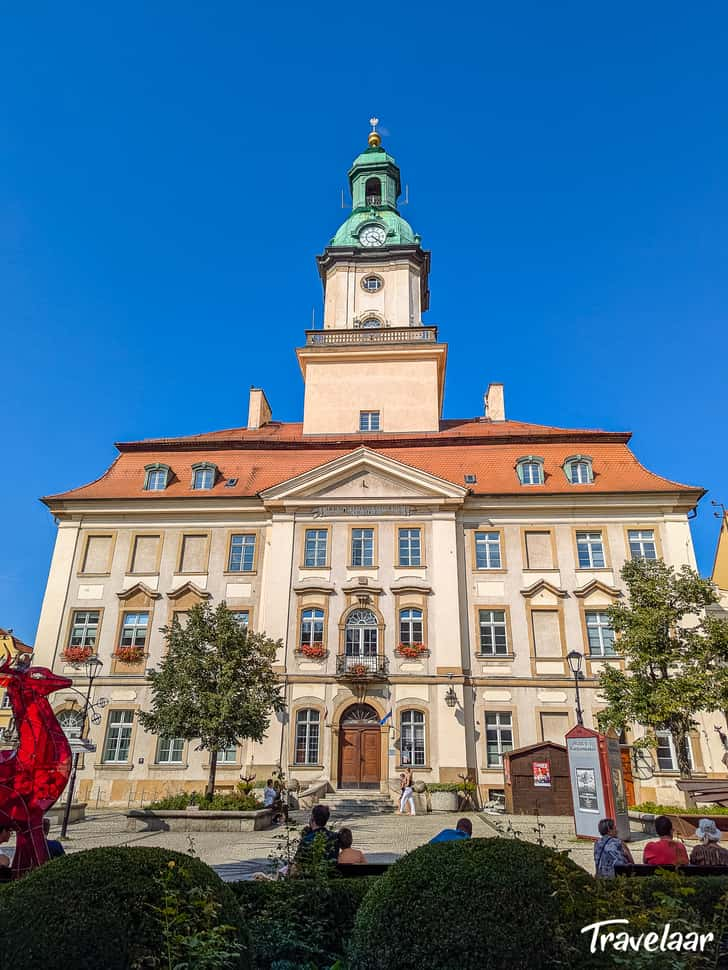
[[298, 923], [228, 802], [484, 903], [96, 909]]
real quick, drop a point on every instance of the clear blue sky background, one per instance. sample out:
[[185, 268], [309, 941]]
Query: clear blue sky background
[[169, 170]]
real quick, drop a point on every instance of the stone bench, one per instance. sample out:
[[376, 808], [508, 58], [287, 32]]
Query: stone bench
[[198, 821]]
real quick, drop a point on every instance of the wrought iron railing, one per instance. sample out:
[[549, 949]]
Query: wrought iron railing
[[374, 665], [374, 200], [380, 335]]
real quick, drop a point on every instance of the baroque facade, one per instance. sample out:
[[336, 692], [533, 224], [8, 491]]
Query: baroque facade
[[426, 577]]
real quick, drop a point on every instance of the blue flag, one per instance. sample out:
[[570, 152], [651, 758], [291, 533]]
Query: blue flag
[[386, 718]]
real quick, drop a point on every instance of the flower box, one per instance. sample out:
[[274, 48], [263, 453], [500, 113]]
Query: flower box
[[411, 650], [313, 651], [76, 655], [129, 655], [359, 670]]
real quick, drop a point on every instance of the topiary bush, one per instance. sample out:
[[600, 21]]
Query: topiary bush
[[95, 909], [481, 904], [297, 923]]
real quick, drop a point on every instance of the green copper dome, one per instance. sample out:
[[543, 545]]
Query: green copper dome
[[375, 187]]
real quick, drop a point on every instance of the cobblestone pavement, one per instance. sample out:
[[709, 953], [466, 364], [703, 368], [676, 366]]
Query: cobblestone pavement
[[383, 838]]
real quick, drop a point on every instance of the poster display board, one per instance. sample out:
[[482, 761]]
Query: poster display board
[[597, 782], [541, 774]]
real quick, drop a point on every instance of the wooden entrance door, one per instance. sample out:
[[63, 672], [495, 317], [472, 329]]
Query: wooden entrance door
[[360, 749]]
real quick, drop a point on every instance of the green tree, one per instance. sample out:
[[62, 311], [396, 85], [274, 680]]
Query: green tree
[[215, 684], [669, 649]]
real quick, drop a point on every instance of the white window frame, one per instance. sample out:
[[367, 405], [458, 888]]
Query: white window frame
[[131, 628], [489, 544], [370, 421], [592, 544], [246, 545], [641, 538], [413, 739], [119, 729], [170, 751], [375, 279], [308, 731], [599, 626], [223, 755], [315, 548], [242, 617], [666, 736], [312, 627], [156, 478], [203, 478], [89, 629], [362, 547], [502, 725], [530, 462], [488, 624], [410, 619], [409, 545]]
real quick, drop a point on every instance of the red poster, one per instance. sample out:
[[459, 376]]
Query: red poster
[[542, 774]]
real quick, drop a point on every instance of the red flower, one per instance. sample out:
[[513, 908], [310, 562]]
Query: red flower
[[411, 650], [76, 655], [314, 650], [129, 655]]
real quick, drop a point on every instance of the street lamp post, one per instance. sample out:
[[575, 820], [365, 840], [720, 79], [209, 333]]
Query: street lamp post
[[92, 667], [575, 661]]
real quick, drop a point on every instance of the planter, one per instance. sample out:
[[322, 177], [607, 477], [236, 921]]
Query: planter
[[682, 825], [55, 814], [444, 801], [129, 655], [76, 655], [197, 821]]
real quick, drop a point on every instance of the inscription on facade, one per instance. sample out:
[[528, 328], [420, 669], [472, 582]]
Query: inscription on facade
[[323, 511]]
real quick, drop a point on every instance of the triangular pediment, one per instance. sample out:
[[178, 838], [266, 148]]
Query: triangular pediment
[[361, 477]]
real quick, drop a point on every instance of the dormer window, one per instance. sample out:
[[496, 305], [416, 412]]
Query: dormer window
[[578, 470], [203, 475], [373, 191], [530, 470], [156, 477]]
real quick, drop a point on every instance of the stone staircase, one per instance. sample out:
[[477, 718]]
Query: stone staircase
[[345, 803]]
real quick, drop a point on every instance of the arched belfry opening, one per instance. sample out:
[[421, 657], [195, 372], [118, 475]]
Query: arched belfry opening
[[373, 191], [360, 748]]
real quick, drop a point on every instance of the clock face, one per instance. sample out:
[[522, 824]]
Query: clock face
[[372, 236]]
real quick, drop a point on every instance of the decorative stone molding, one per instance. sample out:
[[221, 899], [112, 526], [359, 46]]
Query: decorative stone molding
[[175, 594], [137, 588], [595, 586], [543, 586]]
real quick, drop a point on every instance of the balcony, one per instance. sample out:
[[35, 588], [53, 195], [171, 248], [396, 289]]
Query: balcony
[[380, 335], [373, 667]]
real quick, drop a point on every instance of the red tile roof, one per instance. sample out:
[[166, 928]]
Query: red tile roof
[[271, 455], [19, 645]]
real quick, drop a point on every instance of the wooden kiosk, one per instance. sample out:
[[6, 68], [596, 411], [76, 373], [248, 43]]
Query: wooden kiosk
[[537, 780]]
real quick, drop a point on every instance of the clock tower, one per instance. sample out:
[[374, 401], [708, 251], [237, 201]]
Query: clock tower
[[375, 367]]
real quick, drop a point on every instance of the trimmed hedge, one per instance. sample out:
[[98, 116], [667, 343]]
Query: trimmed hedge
[[484, 903], [91, 910], [299, 923]]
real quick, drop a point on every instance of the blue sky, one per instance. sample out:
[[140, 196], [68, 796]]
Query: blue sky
[[169, 171]]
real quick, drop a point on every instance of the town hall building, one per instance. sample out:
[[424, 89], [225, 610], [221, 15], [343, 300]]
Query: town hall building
[[426, 576]]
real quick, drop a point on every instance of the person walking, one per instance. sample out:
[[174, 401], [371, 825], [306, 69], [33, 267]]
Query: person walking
[[666, 851], [708, 852], [407, 796], [609, 850]]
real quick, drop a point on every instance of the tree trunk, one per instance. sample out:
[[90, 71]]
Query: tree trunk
[[681, 746], [210, 790]]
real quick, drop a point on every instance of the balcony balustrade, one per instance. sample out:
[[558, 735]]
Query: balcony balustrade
[[380, 335], [372, 667]]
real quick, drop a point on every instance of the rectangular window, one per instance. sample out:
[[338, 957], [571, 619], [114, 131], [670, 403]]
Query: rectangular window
[[203, 478], [242, 553], [600, 634], [493, 637], [169, 751], [145, 554], [315, 548], [307, 737], [97, 555], [118, 736], [642, 544], [6, 701], [590, 550], [554, 727], [228, 756], [241, 616], [84, 628], [193, 554], [362, 547], [369, 421], [134, 628], [410, 547], [412, 738], [539, 551], [546, 634], [498, 737], [487, 550], [667, 752]]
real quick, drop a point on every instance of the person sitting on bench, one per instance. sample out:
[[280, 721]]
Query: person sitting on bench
[[708, 853], [666, 851], [347, 855]]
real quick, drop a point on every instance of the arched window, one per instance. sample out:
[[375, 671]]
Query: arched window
[[203, 475], [307, 736], [530, 470], [410, 626], [412, 738], [312, 628], [156, 477], [362, 639], [372, 283], [72, 724], [373, 192], [578, 470]]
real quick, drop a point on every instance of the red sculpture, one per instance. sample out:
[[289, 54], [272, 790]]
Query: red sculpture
[[33, 776]]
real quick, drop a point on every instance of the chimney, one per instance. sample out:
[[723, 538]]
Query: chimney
[[259, 412], [495, 408]]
